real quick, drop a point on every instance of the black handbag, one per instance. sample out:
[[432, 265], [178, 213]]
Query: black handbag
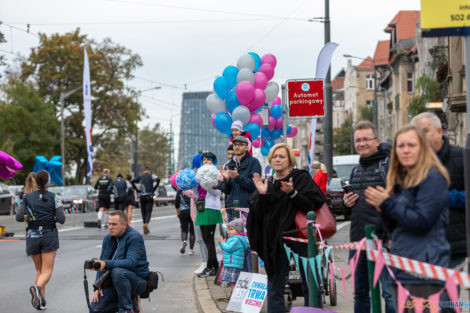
[[200, 205], [152, 284]]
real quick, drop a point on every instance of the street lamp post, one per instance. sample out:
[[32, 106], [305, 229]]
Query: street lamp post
[[62, 98]]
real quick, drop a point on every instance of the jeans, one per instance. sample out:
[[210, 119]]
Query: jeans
[[126, 286], [276, 285], [146, 207], [361, 281]]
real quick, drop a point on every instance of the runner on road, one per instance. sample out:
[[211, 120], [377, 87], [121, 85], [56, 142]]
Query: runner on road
[[104, 186]]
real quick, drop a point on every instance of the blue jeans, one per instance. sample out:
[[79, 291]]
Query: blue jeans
[[361, 281], [276, 303], [121, 296]]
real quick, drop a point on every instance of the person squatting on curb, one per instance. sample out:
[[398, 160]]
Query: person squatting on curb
[[123, 254], [41, 210]]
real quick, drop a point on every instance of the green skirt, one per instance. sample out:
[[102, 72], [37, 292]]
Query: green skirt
[[209, 217]]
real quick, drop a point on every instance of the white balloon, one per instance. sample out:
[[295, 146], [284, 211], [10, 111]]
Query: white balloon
[[245, 74], [207, 176], [215, 104], [271, 91], [241, 113], [246, 61]]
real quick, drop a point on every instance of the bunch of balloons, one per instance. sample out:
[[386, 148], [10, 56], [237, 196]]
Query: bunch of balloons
[[186, 179], [240, 94]]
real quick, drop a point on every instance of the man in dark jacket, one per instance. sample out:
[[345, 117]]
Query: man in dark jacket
[[452, 158], [123, 253], [371, 171], [119, 187], [104, 186], [147, 180], [238, 181]]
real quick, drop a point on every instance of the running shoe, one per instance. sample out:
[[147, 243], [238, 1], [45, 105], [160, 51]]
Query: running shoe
[[35, 296], [43, 304], [183, 247]]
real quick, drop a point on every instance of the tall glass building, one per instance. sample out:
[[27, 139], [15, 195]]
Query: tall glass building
[[197, 134]]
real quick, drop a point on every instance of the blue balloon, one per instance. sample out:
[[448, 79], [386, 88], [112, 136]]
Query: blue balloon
[[276, 111], [257, 61], [253, 129], [232, 102], [275, 134], [259, 110], [288, 130], [221, 87], [230, 73], [223, 123], [269, 143], [264, 133], [265, 150]]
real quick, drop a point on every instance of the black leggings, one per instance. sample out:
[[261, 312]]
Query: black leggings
[[187, 225], [146, 207], [208, 237]]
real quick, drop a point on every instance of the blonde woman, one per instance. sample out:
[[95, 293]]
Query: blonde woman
[[415, 207], [30, 185], [275, 205]]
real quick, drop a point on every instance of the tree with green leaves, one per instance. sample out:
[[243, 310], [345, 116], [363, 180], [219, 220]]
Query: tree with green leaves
[[2, 57], [28, 126], [56, 66], [154, 149], [343, 138], [429, 90], [365, 112]]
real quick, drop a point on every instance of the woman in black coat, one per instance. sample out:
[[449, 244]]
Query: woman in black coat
[[273, 212]]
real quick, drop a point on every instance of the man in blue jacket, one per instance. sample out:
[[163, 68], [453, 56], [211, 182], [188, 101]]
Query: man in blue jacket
[[238, 181], [452, 158], [123, 253]]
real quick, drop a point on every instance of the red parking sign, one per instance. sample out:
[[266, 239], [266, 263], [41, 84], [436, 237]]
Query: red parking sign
[[305, 97]]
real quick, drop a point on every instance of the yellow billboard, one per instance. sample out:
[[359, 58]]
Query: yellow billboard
[[448, 14]]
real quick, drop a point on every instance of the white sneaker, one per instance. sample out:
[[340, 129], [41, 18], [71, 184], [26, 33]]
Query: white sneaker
[[201, 268]]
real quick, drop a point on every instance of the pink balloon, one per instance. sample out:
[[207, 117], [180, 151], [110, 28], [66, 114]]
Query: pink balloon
[[268, 58], [261, 81], [272, 123], [258, 100], [212, 119], [293, 131], [277, 101], [267, 69], [245, 92], [173, 180], [279, 123], [257, 119], [258, 142]]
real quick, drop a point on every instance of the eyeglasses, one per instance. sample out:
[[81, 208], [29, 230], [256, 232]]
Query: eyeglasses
[[239, 144], [365, 139]]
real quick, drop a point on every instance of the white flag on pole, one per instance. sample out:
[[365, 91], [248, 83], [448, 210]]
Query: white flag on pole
[[311, 144], [87, 112]]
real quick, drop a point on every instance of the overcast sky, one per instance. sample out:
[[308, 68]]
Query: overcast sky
[[186, 44]]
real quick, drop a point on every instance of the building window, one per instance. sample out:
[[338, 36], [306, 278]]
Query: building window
[[369, 102], [409, 82], [369, 82]]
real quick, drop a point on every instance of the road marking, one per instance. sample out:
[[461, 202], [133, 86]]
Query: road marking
[[344, 224], [69, 229], [154, 218]]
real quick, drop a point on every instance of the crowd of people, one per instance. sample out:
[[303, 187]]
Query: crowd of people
[[412, 191]]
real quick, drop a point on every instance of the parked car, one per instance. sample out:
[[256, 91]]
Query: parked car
[[334, 195], [7, 199], [165, 195], [56, 190], [344, 165], [78, 198]]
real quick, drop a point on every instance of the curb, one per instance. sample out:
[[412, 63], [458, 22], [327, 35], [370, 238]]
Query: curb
[[203, 297]]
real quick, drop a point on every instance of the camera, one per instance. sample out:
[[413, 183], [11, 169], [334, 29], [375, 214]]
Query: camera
[[92, 264]]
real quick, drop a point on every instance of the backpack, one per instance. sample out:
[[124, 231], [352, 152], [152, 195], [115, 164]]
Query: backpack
[[120, 189], [152, 284]]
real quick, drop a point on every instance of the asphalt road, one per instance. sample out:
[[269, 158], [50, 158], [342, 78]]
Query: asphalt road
[[65, 292]]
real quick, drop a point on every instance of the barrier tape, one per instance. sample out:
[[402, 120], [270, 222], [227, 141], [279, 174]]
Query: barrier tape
[[426, 270]]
